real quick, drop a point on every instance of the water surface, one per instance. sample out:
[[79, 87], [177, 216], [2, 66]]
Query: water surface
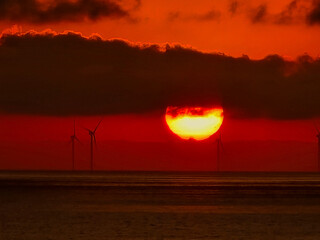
[[159, 205]]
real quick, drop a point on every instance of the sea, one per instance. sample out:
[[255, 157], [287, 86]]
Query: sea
[[64, 205]]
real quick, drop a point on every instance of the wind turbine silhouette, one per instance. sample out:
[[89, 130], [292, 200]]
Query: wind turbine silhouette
[[219, 145], [318, 136], [73, 139], [92, 134]]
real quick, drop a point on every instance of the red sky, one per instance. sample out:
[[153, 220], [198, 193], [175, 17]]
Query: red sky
[[270, 133], [144, 142]]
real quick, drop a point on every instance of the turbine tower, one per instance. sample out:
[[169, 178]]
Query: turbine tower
[[318, 136], [73, 139], [92, 134], [219, 146]]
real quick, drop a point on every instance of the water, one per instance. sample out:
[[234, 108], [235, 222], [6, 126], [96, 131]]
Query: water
[[155, 205]]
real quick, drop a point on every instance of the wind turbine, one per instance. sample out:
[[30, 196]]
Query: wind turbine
[[318, 136], [219, 145], [92, 134], [73, 138]]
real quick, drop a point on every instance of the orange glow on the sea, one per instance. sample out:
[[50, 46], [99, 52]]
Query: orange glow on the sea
[[194, 122]]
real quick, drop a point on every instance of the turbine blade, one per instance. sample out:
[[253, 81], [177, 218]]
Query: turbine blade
[[98, 125], [87, 129], [77, 139], [94, 138]]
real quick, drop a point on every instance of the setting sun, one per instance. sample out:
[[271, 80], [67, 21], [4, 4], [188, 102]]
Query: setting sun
[[194, 122]]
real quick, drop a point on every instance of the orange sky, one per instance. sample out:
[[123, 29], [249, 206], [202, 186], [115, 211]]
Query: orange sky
[[204, 25]]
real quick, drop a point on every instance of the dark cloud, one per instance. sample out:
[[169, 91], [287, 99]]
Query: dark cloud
[[208, 16], [295, 12], [68, 74], [259, 14], [313, 16], [233, 7], [59, 10], [201, 17], [286, 16], [172, 16]]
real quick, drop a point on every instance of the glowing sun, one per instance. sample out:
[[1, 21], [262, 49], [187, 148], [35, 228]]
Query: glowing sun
[[194, 122]]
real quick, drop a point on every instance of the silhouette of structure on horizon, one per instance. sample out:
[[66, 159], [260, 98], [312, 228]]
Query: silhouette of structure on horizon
[[92, 134], [73, 138], [318, 136], [219, 145]]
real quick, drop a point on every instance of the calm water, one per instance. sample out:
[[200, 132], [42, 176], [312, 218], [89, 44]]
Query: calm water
[[154, 205]]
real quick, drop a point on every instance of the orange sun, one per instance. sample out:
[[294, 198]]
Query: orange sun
[[194, 122]]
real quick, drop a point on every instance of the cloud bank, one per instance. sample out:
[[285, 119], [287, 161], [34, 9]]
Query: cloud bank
[[68, 74]]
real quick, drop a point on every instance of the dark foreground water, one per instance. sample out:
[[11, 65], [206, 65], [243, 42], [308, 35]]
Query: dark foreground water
[[152, 205]]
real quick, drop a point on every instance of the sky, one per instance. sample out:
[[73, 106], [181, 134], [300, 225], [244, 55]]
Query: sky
[[126, 60]]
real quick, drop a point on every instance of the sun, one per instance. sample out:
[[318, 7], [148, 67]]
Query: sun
[[194, 122]]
